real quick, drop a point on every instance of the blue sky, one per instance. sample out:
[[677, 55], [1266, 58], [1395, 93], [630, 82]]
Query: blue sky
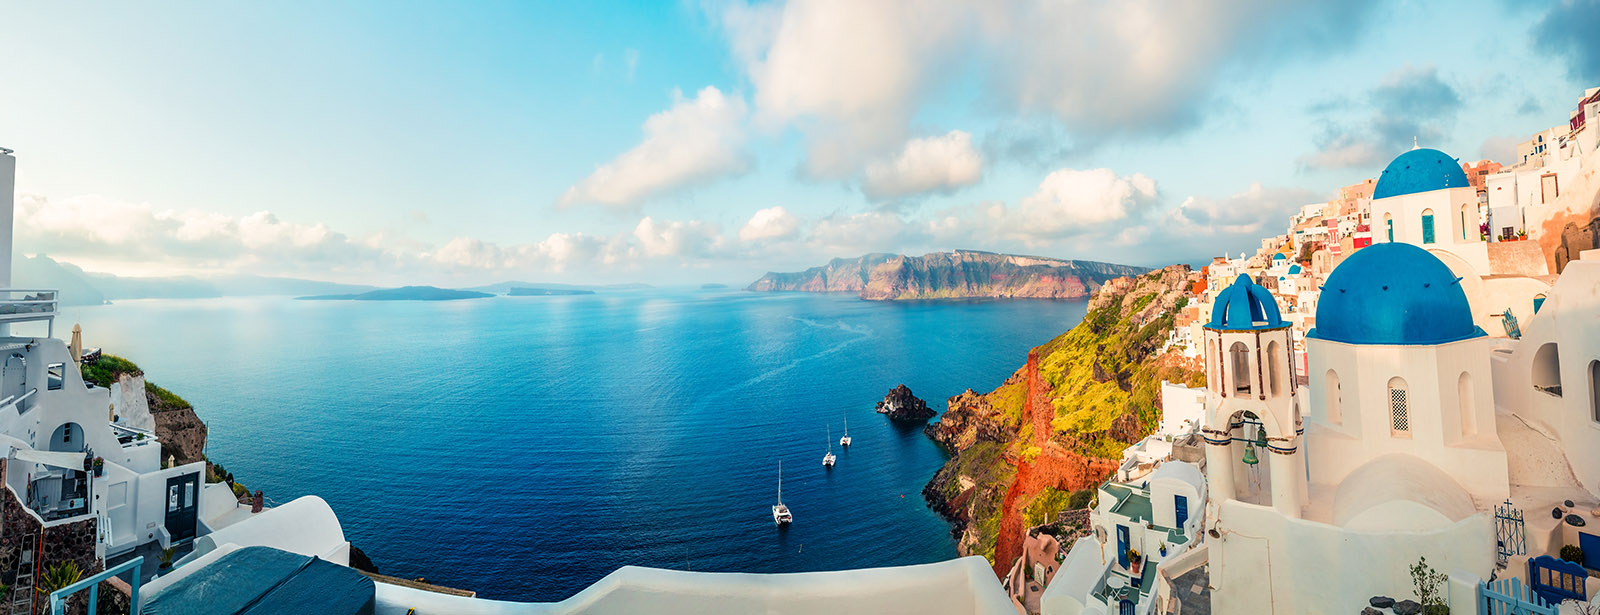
[[681, 142]]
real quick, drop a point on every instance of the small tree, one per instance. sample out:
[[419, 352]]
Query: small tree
[[1428, 582]]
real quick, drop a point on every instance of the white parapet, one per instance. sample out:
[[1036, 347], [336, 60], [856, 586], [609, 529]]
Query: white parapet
[[961, 586]]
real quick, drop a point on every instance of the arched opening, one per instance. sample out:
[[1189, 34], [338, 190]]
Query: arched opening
[[1274, 371], [1547, 369], [67, 438], [1464, 226], [1427, 226], [1594, 390], [1331, 385], [14, 376], [1388, 223], [1469, 415], [1399, 410], [1239, 364], [1252, 473]]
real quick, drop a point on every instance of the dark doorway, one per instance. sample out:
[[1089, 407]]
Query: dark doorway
[[183, 502]]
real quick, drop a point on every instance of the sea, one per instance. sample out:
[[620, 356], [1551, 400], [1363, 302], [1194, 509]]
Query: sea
[[525, 447]]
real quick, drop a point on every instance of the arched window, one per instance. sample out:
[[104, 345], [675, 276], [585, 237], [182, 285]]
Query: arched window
[[1463, 222], [1331, 384], [1469, 416], [1388, 221], [1427, 226], [1547, 369], [1239, 364], [1399, 412], [1274, 371], [1594, 390]]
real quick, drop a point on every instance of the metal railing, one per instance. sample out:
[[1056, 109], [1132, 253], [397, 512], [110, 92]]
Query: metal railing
[[58, 598]]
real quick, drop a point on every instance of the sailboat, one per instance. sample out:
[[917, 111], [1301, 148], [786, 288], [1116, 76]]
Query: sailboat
[[845, 441], [780, 513], [827, 460]]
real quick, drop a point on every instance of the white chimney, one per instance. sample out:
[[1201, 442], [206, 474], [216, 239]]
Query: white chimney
[[8, 195]]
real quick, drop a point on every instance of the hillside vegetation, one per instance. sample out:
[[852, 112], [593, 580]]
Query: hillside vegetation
[[1038, 443]]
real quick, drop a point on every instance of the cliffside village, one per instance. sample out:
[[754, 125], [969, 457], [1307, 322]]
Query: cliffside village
[[1401, 412]]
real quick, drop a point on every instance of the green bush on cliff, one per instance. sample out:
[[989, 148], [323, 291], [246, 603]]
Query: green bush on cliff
[[1045, 505], [105, 371], [165, 400]]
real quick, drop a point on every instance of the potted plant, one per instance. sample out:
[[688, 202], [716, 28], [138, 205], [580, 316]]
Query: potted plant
[[1521, 235], [99, 467], [1163, 548], [166, 558]]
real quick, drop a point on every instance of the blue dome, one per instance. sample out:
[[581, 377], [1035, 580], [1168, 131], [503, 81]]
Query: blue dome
[[1393, 293], [1419, 170], [1244, 306], [1294, 269]]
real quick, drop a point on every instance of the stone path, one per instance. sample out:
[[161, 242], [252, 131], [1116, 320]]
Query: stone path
[[1193, 591]]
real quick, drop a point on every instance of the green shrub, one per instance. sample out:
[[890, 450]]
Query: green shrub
[[105, 371], [1081, 499], [1572, 553]]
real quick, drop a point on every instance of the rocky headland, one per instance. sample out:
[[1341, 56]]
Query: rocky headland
[[901, 405], [950, 275], [1047, 436]]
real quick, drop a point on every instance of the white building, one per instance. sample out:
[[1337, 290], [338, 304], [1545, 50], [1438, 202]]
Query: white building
[[1138, 526], [1423, 198]]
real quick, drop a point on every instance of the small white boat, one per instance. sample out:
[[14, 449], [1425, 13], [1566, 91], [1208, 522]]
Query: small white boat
[[845, 441], [780, 513], [828, 459]]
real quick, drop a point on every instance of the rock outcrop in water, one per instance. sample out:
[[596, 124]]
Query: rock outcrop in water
[[950, 275], [1057, 426], [901, 405]]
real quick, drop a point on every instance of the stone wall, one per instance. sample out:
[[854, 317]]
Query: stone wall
[[132, 407], [20, 531]]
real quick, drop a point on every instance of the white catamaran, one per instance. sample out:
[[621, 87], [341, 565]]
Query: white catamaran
[[780, 513], [845, 440], [827, 460]]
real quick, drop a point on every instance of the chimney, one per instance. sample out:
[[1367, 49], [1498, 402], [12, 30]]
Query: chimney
[[8, 194]]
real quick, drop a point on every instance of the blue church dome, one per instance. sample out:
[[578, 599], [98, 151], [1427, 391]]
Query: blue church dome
[[1244, 306], [1294, 269], [1393, 293], [1419, 170]]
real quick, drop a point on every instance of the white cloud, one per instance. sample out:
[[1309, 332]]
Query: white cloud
[[1072, 201], [853, 74], [682, 239], [931, 164], [696, 140], [772, 223]]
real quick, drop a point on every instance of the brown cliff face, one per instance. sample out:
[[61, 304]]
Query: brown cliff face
[[1058, 425], [950, 275], [901, 405], [181, 432]]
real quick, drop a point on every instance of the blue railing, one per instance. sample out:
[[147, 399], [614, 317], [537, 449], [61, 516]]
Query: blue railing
[[58, 598]]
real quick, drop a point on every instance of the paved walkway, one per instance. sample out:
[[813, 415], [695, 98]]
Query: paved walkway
[[1193, 590]]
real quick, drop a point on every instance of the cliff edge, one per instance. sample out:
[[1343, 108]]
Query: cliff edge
[[950, 275], [1038, 443]]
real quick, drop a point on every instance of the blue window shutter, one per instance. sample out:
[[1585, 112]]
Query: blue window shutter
[[1391, 230], [1427, 229]]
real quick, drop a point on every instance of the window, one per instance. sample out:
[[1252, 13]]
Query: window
[[66, 432], [1427, 226], [1274, 372], [1388, 221], [1469, 417], [57, 373], [1240, 364], [1399, 419], [1463, 222], [1547, 369], [1594, 390], [172, 498], [1331, 384]]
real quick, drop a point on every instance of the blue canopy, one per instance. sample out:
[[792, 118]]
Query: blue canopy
[[263, 580]]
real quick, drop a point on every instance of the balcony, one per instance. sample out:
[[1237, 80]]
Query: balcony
[[27, 305]]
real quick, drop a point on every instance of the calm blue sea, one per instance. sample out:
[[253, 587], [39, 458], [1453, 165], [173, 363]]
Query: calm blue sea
[[524, 447]]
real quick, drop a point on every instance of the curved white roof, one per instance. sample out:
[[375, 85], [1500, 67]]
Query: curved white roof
[[1400, 492]]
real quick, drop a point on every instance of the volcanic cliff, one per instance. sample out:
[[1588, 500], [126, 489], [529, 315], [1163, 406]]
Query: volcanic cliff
[[1058, 425], [950, 275]]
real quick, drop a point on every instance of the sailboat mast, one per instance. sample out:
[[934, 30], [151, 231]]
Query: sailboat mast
[[780, 481]]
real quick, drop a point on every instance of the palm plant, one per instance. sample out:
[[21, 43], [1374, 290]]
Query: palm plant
[[55, 578], [166, 557]]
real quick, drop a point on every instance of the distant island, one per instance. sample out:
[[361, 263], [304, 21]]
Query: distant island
[[539, 292], [504, 288], [404, 293], [712, 286], [951, 275]]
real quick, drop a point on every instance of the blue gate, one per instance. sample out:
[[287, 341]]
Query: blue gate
[[1511, 597], [1557, 579], [1508, 534]]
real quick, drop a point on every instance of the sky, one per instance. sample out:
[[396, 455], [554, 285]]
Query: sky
[[681, 142]]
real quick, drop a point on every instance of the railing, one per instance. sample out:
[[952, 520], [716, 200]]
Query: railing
[[33, 304], [58, 598], [133, 434]]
